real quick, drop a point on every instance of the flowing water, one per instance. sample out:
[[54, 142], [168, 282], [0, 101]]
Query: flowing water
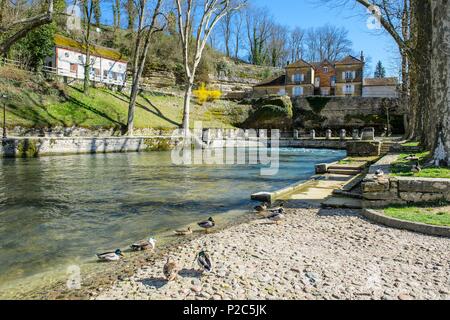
[[56, 211]]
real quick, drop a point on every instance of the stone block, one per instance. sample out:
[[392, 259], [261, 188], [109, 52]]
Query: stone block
[[423, 197], [328, 134], [426, 185], [363, 148], [368, 134], [321, 168]]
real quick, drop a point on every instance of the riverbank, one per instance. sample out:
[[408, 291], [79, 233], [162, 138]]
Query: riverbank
[[315, 254]]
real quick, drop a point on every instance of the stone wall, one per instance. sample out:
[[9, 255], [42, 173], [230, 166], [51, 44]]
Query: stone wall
[[337, 113], [34, 147], [382, 191]]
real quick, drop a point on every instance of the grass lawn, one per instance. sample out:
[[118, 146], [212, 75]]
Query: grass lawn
[[34, 102], [434, 215], [411, 144], [402, 168]]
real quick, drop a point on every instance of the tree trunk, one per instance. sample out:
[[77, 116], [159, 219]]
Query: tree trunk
[[87, 70], [440, 65], [421, 63], [187, 105]]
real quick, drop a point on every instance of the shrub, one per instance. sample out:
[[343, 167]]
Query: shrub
[[203, 94]]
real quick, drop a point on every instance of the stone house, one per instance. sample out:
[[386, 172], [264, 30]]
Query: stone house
[[108, 66], [325, 78]]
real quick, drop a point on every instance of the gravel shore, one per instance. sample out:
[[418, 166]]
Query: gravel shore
[[314, 254]]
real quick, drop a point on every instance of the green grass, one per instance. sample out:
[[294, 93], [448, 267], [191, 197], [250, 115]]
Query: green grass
[[33, 102], [433, 215], [411, 144], [402, 168]]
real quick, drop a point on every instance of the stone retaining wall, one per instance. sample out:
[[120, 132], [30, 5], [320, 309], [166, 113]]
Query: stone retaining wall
[[386, 190], [33, 147]]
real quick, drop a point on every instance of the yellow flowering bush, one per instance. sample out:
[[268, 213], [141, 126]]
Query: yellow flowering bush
[[203, 94]]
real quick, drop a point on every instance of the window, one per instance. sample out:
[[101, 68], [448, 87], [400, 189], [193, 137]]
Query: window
[[298, 77], [349, 75], [349, 89], [325, 69], [66, 54], [81, 58], [298, 91], [73, 68]]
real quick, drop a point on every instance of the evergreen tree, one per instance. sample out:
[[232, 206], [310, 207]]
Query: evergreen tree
[[380, 71]]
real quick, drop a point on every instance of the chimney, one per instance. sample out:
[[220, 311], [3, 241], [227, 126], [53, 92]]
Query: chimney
[[362, 56]]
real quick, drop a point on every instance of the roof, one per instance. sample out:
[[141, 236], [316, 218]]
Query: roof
[[349, 60], [68, 43], [374, 82], [299, 64], [273, 82]]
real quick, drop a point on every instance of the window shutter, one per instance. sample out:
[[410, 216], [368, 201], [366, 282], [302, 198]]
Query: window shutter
[[354, 74], [293, 78], [343, 75]]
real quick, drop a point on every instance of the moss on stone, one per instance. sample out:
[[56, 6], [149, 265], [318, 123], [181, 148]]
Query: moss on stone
[[27, 148], [157, 144]]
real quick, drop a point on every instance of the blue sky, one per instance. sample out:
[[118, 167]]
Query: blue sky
[[313, 13]]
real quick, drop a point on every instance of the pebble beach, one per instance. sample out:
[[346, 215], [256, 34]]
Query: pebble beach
[[314, 254]]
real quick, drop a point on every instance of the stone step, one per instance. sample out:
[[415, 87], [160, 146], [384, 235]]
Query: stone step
[[347, 194], [342, 203], [343, 167], [350, 172]]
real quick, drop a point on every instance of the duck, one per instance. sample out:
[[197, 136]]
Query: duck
[[208, 224], [277, 217], [379, 173], [183, 232], [110, 256], [144, 245], [416, 168], [204, 261], [412, 157], [262, 207], [278, 209], [170, 270]]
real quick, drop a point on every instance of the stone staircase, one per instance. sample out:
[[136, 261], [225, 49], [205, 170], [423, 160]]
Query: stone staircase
[[344, 169], [386, 147]]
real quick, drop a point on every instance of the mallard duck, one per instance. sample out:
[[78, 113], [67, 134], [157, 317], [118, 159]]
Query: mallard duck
[[170, 270], [411, 157], [144, 245], [208, 224], [204, 261], [183, 232], [262, 207], [277, 217], [416, 168], [379, 173], [110, 256], [278, 209]]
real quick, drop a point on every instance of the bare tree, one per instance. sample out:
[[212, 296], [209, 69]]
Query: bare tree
[[258, 25], [143, 39], [88, 7], [226, 29], [130, 7], [196, 20], [296, 44], [277, 48], [15, 29], [327, 43]]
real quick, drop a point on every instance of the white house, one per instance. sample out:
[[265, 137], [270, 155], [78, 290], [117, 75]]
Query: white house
[[380, 87], [107, 65]]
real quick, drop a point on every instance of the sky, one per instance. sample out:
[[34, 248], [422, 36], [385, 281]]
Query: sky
[[313, 13]]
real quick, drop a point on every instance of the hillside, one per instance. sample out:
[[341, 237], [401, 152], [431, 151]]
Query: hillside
[[39, 103]]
